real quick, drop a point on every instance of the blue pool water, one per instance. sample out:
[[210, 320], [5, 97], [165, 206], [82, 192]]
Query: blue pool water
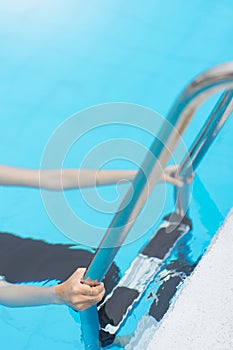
[[58, 58]]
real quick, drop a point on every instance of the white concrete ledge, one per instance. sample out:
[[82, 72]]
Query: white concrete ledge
[[202, 315]]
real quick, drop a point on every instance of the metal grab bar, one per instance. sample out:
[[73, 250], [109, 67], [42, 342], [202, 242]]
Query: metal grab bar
[[213, 80], [209, 131], [214, 123], [202, 87]]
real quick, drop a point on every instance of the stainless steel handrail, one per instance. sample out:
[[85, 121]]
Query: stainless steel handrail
[[213, 80], [217, 118], [218, 78], [210, 129]]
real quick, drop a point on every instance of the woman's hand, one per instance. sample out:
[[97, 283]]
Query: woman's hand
[[171, 175], [63, 179], [72, 292], [75, 293]]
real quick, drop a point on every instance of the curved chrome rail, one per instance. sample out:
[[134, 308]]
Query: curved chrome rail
[[214, 123], [211, 81]]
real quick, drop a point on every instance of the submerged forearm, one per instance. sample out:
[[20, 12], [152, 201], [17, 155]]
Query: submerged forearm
[[14, 176], [79, 178], [62, 179], [59, 179], [14, 295], [73, 292]]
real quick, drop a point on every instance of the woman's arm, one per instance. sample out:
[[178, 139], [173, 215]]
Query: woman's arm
[[72, 292], [58, 179]]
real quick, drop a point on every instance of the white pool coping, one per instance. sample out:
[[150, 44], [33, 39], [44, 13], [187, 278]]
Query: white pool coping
[[202, 314]]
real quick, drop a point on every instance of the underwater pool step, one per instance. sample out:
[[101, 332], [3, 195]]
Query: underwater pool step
[[142, 271], [201, 316]]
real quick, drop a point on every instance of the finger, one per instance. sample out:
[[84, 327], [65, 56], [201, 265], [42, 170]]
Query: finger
[[174, 181], [85, 289], [93, 291], [90, 282], [96, 298], [83, 302], [98, 290], [93, 299], [190, 179]]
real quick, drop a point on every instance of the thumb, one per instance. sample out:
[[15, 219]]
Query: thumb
[[79, 273]]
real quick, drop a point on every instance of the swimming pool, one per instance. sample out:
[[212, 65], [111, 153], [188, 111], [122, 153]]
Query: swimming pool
[[58, 58]]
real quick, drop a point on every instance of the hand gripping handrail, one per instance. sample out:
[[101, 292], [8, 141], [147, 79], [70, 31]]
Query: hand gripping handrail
[[207, 83]]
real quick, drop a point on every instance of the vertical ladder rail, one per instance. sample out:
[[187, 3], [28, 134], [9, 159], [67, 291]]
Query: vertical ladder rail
[[213, 80], [214, 123]]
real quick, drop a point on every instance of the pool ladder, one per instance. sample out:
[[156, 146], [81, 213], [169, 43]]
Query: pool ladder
[[217, 79]]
